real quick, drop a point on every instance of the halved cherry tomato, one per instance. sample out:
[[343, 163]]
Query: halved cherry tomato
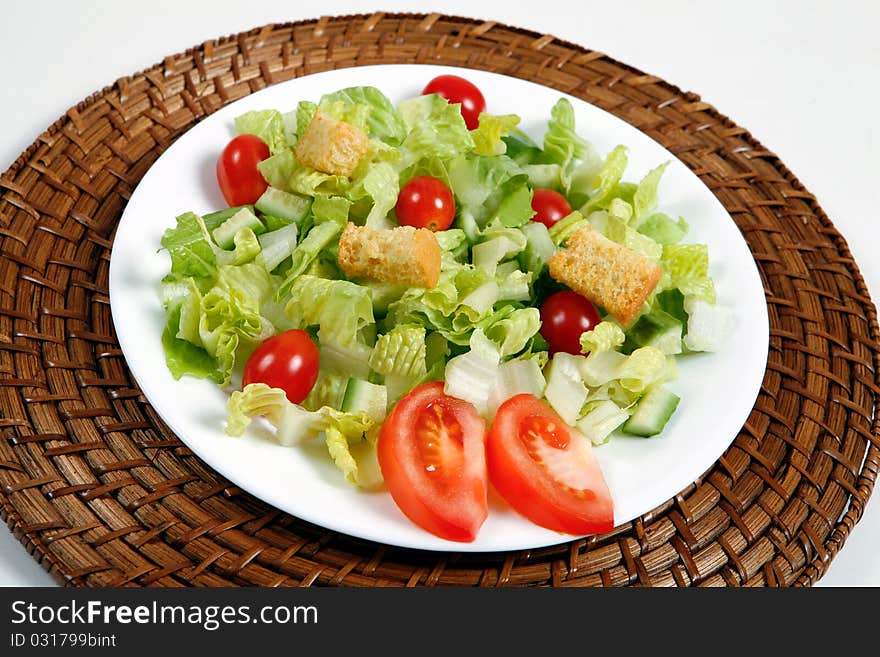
[[425, 202], [237, 174], [546, 470], [288, 361], [432, 454], [564, 316], [456, 89], [550, 206]]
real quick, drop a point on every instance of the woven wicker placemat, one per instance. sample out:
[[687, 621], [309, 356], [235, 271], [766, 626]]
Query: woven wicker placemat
[[101, 493]]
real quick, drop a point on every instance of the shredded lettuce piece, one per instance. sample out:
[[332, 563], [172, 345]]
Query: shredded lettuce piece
[[562, 145], [707, 326], [317, 239], [267, 124], [492, 128], [645, 197], [190, 247], [688, 268], [435, 128], [663, 229], [339, 308], [605, 183], [641, 368], [401, 352], [350, 437], [368, 109], [605, 336]]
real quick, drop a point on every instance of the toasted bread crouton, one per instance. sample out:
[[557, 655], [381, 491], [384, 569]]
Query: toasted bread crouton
[[331, 146], [608, 274], [401, 255]]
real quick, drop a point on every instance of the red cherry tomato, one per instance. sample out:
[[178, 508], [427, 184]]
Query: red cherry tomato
[[458, 90], [240, 180], [432, 454], [564, 316], [425, 202], [288, 361], [550, 207], [546, 470]]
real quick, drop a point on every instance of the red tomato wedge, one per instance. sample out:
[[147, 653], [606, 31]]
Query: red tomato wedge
[[432, 454], [546, 470]]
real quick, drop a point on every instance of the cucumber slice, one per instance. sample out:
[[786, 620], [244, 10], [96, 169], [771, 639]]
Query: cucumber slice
[[652, 412], [657, 329], [214, 219], [279, 203], [364, 397], [224, 234]]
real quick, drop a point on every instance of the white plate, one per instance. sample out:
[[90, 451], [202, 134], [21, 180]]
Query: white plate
[[717, 390]]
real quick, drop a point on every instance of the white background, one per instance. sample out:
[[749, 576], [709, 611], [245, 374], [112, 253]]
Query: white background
[[802, 77]]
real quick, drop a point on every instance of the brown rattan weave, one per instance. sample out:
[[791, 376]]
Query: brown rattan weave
[[101, 493]]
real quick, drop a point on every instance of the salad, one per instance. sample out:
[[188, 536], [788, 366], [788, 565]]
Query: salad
[[442, 301]]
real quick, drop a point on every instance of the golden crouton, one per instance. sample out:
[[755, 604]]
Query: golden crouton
[[401, 255], [331, 146], [608, 274]]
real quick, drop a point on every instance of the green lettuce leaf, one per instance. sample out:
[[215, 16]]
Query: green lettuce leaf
[[268, 125], [401, 352], [368, 109], [317, 239], [604, 185], [663, 229], [687, 266], [645, 197], [350, 437], [183, 357], [492, 128], [512, 333], [605, 336], [339, 308], [330, 208], [435, 128], [562, 145], [190, 247]]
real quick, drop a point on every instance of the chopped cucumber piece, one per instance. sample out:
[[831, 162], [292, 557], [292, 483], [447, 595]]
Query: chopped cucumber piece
[[279, 203], [364, 397], [224, 234], [601, 420], [657, 329], [652, 413], [214, 219]]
